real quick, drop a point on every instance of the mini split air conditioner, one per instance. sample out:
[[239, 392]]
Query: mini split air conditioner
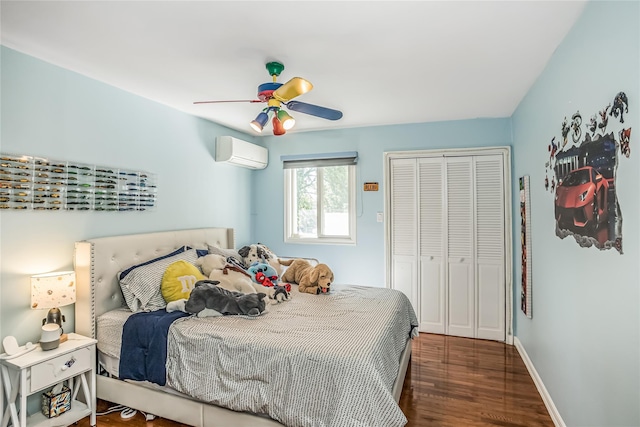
[[241, 153]]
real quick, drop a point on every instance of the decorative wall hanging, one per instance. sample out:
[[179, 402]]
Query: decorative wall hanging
[[581, 171], [525, 243], [40, 184]]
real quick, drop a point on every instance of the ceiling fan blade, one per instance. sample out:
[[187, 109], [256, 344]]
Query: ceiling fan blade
[[294, 87], [314, 110], [220, 102]]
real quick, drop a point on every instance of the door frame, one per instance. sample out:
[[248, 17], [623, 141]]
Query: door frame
[[505, 151]]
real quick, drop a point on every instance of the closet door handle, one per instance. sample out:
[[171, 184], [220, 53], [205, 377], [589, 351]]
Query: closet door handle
[[461, 259]]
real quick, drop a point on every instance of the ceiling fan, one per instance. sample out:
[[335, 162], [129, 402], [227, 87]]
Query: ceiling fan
[[277, 95]]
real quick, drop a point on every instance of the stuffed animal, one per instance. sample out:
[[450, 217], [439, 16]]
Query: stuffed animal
[[260, 253], [310, 279], [208, 299], [230, 277], [265, 275], [210, 262], [235, 279]]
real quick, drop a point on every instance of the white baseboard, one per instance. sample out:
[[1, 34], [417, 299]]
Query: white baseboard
[[546, 397]]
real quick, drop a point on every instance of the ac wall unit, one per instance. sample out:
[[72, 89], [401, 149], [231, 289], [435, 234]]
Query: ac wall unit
[[241, 153]]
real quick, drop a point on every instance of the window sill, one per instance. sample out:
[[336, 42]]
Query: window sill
[[321, 241]]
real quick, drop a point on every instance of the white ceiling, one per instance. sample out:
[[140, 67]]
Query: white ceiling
[[378, 62]]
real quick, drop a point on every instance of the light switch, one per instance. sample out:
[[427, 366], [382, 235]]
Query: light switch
[[379, 217]]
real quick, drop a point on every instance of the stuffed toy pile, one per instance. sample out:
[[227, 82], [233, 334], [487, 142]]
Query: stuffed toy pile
[[228, 276], [232, 276]]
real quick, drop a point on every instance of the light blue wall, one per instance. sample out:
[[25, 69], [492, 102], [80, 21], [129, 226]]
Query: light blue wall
[[364, 263], [51, 112], [584, 335]]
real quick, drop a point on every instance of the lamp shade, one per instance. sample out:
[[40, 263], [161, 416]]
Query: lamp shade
[[287, 121], [278, 129], [259, 122], [53, 290]]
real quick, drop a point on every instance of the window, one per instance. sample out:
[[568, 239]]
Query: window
[[320, 198]]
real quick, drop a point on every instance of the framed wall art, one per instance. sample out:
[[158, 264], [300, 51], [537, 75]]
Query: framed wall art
[[49, 185], [525, 245]]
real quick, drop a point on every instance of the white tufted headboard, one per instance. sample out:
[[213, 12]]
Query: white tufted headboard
[[98, 261]]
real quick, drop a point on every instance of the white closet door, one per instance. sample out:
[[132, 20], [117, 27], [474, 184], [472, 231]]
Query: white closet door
[[404, 244], [432, 315], [448, 247], [460, 246], [490, 247]]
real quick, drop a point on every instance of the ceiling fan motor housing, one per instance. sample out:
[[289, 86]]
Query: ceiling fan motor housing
[[265, 90]]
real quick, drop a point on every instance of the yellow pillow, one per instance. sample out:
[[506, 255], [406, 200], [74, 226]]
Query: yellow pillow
[[178, 280]]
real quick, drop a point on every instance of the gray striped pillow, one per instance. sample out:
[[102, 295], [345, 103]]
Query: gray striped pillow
[[141, 285]]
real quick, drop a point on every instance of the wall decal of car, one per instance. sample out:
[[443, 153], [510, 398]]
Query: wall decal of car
[[581, 200]]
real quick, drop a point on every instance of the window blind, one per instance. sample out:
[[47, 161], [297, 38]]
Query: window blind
[[296, 161]]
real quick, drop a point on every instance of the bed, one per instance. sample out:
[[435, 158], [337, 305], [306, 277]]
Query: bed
[[275, 391]]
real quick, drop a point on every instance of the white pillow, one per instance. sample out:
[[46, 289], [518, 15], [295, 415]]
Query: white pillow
[[141, 284]]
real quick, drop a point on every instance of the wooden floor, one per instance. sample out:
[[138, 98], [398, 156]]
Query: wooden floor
[[450, 382], [464, 382]]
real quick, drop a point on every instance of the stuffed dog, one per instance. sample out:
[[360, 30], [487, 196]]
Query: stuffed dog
[[312, 280], [260, 253]]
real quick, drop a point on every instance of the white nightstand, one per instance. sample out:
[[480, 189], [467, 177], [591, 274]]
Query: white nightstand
[[74, 362]]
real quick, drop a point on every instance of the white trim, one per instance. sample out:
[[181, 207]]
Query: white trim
[[386, 194], [449, 152], [509, 306], [505, 151], [546, 397]]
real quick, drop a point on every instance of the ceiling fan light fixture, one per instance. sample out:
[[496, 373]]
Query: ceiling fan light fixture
[[256, 126], [287, 121], [259, 122], [278, 128]]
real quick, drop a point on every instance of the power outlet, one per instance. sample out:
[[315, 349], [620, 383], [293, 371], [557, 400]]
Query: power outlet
[[379, 217]]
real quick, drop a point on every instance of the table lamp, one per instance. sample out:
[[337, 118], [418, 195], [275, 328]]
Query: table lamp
[[53, 290]]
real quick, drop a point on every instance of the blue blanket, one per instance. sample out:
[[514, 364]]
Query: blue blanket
[[144, 346]]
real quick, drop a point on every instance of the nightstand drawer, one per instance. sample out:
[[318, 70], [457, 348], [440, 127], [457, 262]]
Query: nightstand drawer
[[62, 367]]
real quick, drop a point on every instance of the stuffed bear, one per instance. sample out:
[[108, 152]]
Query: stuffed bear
[[207, 299]]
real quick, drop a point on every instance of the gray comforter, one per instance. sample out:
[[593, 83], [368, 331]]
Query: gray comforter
[[316, 360]]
